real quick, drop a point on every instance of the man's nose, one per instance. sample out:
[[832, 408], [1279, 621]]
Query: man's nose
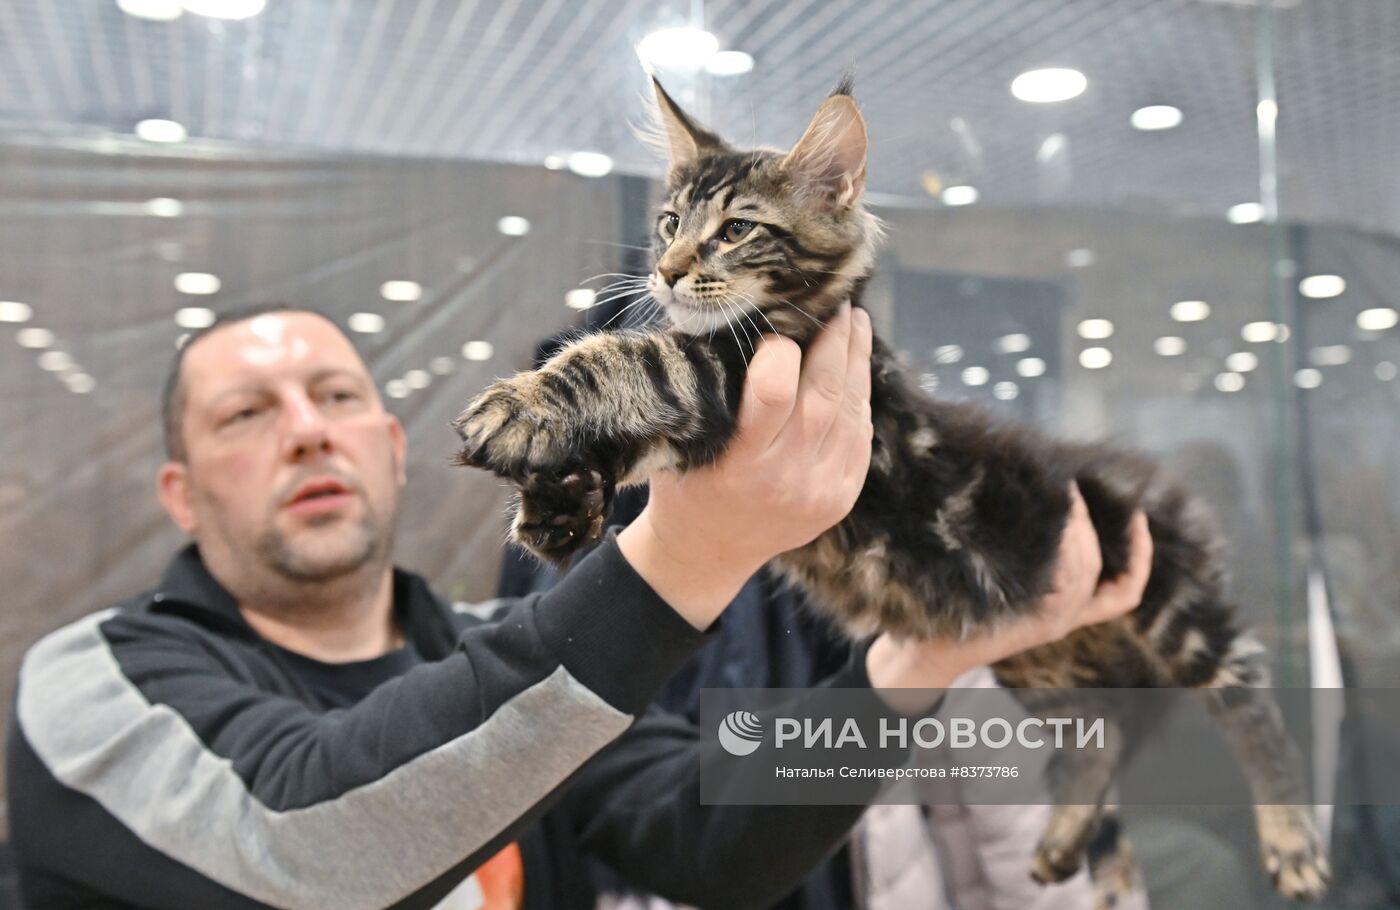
[[671, 274], [306, 428]]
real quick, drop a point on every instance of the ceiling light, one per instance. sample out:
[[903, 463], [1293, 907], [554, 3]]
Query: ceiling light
[[477, 350], [1095, 358], [401, 291], [1049, 85], [194, 317], [729, 63], [960, 195], [34, 338], [929, 382], [1259, 331], [1096, 329], [947, 353], [1156, 117], [1375, 320], [1320, 287], [513, 226], [1282, 332], [1331, 355], [80, 383], [197, 283], [1170, 346], [366, 323], [1080, 258], [590, 164], [1307, 378], [417, 379], [164, 207], [180, 342], [555, 162], [55, 361], [442, 365], [1005, 391], [1245, 213], [396, 388], [1241, 362], [225, 9], [1030, 367], [976, 376], [683, 48], [1013, 344], [580, 298], [14, 311], [1229, 382], [154, 10], [161, 131], [1053, 145], [1385, 371], [1190, 310]]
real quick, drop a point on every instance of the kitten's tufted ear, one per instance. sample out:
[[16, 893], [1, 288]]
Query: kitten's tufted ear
[[684, 141], [829, 159]]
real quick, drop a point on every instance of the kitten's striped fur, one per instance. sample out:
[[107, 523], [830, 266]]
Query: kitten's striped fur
[[960, 519]]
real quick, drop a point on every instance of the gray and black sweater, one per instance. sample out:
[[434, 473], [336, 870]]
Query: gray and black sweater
[[162, 754]]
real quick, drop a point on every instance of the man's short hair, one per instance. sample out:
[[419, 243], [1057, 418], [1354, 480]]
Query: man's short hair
[[173, 395]]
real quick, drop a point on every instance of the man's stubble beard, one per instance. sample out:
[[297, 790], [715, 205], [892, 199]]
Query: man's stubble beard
[[290, 561]]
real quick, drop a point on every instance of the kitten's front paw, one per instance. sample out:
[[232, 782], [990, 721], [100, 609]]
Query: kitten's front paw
[[1293, 852], [512, 428], [557, 516]]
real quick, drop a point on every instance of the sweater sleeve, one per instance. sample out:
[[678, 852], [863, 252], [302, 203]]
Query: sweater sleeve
[[366, 807]]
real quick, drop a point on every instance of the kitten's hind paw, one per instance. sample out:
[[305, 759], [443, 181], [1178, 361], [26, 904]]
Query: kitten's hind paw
[[559, 515], [1293, 853]]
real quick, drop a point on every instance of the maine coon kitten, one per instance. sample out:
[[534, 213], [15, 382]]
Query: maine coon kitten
[[960, 519]]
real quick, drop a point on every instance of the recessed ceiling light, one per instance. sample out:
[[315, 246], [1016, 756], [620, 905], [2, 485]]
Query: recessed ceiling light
[[1374, 320], [947, 353], [1385, 371], [80, 383], [1229, 382], [1307, 378], [1190, 310], [34, 338], [513, 226], [580, 298], [477, 350], [590, 164], [1096, 329], [1030, 367], [55, 361], [417, 379], [1156, 117], [154, 10], [1170, 346], [1330, 355], [157, 130], [959, 195], [164, 207], [366, 323], [1095, 358], [1013, 344], [1045, 86], [1005, 391], [194, 317], [1257, 332], [684, 48], [1080, 258], [14, 311], [555, 162], [1245, 213], [929, 382], [442, 365], [401, 291], [396, 388], [197, 283], [1320, 287], [729, 63], [225, 9], [975, 376], [1241, 362], [1281, 332]]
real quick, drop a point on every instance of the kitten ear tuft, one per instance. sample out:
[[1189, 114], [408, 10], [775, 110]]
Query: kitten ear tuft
[[829, 159], [676, 134]]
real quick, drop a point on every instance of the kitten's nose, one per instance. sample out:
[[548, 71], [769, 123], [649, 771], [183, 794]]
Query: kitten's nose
[[672, 275]]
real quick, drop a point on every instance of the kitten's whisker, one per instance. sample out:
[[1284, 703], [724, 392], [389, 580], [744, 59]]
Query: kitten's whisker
[[625, 246], [629, 306], [815, 320], [755, 309]]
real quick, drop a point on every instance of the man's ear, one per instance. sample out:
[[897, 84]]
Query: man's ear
[[399, 441], [829, 159], [683, 140], [173, 490]]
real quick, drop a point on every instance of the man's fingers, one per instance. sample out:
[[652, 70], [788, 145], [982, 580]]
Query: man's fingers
[[770, 393], [852, 420], [1123, 594], [823, 385]]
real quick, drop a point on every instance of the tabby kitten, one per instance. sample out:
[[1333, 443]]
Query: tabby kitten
[[960, 519]]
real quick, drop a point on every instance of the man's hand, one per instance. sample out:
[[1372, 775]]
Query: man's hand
[[795, 468], [1079, 600]]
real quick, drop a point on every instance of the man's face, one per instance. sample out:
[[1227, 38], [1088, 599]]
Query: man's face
[[293, 464]]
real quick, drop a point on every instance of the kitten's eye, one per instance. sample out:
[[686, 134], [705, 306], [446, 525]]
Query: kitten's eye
[[735, 229], [670, 223]]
